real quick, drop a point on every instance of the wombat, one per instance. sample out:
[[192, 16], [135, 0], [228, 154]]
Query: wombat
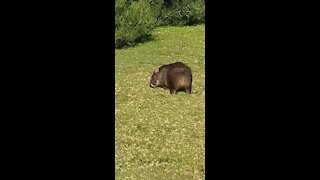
[[175, 77]]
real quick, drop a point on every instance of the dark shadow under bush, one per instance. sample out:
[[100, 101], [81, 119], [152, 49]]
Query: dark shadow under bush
[[141, 39]]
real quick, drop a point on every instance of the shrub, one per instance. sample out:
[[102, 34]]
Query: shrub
[[134, 21], [182, 12]]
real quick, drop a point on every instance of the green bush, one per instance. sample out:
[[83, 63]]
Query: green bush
[[182, 12], [134, 21]]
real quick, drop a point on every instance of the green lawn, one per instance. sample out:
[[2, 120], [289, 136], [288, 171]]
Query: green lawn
[[160, 136]]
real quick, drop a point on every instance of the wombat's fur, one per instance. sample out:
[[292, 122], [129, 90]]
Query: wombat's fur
[[175, 77]]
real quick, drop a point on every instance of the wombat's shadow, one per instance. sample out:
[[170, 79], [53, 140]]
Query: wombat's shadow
[[167, 92]]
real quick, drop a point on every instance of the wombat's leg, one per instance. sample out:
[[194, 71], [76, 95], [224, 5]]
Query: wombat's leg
[[173, 91], [188, 90]]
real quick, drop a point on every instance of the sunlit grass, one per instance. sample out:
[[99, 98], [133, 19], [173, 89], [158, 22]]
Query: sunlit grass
[[159, 136]]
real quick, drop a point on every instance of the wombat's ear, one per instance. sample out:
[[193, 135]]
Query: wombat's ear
[[156, 70]]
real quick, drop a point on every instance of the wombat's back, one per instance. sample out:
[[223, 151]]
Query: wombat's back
[[179, 77]]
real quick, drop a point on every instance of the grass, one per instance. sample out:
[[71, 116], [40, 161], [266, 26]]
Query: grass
[[159, 136]]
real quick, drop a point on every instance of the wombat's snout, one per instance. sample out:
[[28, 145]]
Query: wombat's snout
[[152, 85]]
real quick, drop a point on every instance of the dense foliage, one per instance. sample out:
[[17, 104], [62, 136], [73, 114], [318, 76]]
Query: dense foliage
[[181, 12], [135, 19]]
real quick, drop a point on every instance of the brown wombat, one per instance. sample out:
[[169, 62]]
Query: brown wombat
[[175, 77]]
